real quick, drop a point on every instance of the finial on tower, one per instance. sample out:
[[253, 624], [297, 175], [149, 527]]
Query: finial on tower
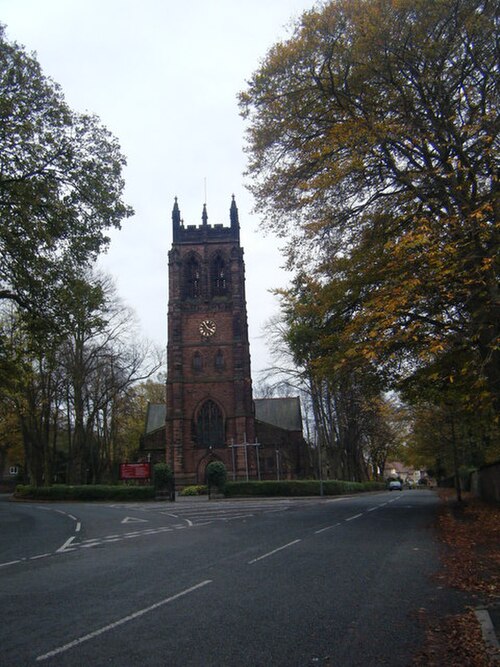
[[176, 214], [233, 214], [204, 216]]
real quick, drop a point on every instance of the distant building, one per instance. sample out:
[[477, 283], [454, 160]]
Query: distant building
[[399, 470], [210, 414]]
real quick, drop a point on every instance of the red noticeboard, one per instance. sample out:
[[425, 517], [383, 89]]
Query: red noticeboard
[[135, 470]]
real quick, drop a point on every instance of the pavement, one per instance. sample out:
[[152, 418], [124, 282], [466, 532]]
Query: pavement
[[489, 620]]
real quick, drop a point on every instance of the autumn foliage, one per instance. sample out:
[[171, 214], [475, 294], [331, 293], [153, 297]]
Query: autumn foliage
[[373, 149], [470, 534]]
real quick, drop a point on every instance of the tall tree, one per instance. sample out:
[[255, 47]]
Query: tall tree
[[60, 183], [67, 381], [373, 140], [101, 363], [351, 417]]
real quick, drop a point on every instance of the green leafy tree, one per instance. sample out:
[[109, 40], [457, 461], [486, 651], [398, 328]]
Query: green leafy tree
[[129, 411], [69, 382], [60, 183], [163, 478], [352, 420], [373, 145], [102, 362], [216, 476]]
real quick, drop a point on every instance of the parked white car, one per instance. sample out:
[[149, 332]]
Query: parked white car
[[395, 485]]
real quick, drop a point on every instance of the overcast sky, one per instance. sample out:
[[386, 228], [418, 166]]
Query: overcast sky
[[163, 76]]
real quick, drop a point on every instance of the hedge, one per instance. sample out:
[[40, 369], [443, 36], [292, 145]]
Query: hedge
[[85, 492], [309, 487]]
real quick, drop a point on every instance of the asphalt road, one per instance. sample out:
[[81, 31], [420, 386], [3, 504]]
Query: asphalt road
[[336, 582]]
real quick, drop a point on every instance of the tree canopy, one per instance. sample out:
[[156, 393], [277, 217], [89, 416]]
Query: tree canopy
[[60, 182], [373, 146]]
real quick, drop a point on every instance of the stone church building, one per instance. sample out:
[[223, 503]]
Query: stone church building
[[210, 413]]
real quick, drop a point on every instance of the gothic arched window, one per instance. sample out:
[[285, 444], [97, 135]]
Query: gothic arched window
[[219, 277], [210, 426], [192, 278]]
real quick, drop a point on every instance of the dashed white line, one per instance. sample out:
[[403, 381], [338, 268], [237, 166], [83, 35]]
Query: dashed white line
[[322, 530], [121, 621], [40, 556], [274, 551], [11, 562], [356, 516]]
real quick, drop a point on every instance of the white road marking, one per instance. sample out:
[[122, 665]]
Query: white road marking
[[11, 562], [351, 518], [372, 509], [133, 519], [175, 516], [40, 556], [274, 551], [78, 527], [121, 621], [66, 546], [91, 544], [66, 514], [322, 530]]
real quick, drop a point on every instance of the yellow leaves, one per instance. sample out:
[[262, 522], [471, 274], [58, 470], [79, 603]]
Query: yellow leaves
[[436, 346]]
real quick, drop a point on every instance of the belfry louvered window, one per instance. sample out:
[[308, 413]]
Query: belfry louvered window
[[219, 277], [193, 279]]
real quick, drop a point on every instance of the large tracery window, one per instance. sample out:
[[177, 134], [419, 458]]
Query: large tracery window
[[219, 277], [210, 425], [193, 278]]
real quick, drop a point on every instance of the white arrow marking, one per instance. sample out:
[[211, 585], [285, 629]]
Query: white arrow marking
[[133, 519]]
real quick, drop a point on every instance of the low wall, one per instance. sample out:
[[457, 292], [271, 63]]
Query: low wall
[[485, 482]]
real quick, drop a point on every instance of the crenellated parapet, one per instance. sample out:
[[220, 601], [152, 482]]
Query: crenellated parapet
[[205, 233]]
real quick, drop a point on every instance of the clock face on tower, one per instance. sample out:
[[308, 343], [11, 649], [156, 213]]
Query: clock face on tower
[[207, 328]]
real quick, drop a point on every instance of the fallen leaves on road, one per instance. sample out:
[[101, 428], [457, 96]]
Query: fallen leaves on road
[[470, 532], [456, 641]]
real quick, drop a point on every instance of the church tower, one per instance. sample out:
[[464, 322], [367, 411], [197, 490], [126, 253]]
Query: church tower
[[209, 414]]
